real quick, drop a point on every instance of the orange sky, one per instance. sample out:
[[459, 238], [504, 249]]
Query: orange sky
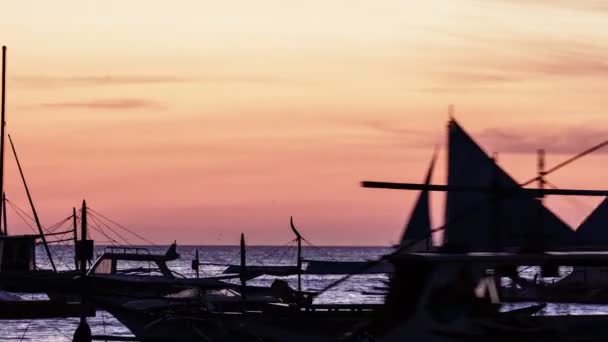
[[196, 120]]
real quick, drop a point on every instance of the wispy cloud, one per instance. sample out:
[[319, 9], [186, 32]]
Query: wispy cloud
[[570, 63], [521, 140], [93, 80], [547, 60], [389, 134], [106, 80], [478, 77], [115, 104], [389, 128], [555, 140], [585, 5]]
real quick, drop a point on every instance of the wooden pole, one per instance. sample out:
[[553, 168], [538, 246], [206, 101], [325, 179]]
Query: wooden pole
[[83, 237], [75, 224], [2, 124], [299, 260], [196, 264], [83, 331], [29, 197], [538, 240], [541, 172], [243, 274], [4, 218], [507, 192], [299, 264]]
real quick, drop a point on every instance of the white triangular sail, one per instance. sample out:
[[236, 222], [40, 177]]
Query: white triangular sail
[[482, 222]]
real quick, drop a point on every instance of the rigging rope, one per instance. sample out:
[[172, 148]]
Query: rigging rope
[[122, 227], [573, 200], [277, 249], [104, 234], [566, 162], [320, 249], [99, 222], [23, 218]]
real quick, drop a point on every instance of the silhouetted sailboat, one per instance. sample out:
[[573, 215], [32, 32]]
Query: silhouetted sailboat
[[417, 234], [481, 221]]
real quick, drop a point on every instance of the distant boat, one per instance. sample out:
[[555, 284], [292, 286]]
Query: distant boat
[[232, 312]]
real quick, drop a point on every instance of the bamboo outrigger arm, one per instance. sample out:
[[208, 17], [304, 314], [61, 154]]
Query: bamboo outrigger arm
[[524, 192]]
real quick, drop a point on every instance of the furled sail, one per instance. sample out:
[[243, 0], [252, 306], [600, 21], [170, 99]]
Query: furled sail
[[593, 232], [417, 233], [485, 221]]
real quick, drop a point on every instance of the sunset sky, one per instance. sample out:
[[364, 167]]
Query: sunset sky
[[198, 120]]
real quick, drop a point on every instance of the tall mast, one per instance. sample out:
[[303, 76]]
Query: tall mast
[[75, 224], [29, 197], [83, 238], [84, 251], [299, 261], [2, 124]]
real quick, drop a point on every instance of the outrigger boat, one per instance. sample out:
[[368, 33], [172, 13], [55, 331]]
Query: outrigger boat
[[239, 312], [123, 274], [223, 315], [488, 211], [447, 296], [19, 271]]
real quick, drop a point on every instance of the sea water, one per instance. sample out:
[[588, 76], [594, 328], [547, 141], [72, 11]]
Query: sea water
[[212, 259]]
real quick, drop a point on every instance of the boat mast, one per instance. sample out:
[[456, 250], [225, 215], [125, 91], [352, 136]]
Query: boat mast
[[196, 264], [243, 274], [29, 197], [4, 213], [541, 186], [75, 223], [299, 261], [83, 254], [2, 124], [541, 172]]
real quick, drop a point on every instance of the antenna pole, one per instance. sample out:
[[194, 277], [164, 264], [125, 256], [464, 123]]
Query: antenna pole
[[2, 124], [29, 197]]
